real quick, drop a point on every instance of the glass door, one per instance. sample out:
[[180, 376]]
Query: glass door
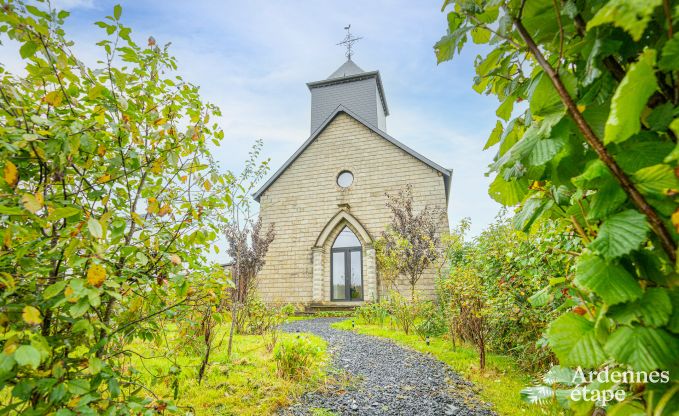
[[346, 268]]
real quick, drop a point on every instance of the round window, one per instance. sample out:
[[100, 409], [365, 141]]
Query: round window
[[345, 179]]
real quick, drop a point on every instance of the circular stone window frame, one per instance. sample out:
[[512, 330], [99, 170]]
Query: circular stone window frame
[[339, 175]]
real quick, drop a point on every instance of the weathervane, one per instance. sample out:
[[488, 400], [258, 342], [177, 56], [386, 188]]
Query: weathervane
[[348, 42]]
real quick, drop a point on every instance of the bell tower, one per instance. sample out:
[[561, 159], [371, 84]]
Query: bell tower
[[352, 87]]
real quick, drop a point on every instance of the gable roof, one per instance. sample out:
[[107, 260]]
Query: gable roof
[[446, 173]]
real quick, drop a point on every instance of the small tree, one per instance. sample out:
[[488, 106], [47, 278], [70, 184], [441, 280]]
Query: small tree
[[411, 237], [247, 246], [110, 202], [387, 266], [468, 309], [247, 243]]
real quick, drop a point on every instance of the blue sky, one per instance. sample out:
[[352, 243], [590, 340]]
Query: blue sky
[[253, 58]]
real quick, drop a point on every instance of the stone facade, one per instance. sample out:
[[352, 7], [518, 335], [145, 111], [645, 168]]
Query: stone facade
[[309, 209]]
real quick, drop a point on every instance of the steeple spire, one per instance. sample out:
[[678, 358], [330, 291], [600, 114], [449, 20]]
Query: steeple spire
[[348, 42]]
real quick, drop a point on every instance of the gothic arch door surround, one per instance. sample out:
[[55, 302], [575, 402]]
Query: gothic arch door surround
[[322, 260]]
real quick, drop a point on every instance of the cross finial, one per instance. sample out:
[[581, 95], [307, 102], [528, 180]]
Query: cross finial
[[348, 42]]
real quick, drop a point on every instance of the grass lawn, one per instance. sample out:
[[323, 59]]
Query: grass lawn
[[499, 384], [248, 384]]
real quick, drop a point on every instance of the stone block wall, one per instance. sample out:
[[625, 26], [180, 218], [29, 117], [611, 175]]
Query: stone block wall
[[302, 201]]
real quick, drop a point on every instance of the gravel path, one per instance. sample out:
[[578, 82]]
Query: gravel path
[[386, 379]]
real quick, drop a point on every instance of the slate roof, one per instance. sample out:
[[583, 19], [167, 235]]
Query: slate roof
[[349, 72], [347, 69], [447, 173]]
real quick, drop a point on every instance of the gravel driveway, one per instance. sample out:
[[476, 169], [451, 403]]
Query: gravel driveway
[[386, 379]]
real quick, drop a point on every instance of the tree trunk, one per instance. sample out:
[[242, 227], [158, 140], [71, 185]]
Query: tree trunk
[[233, 324], [482, 353], [208, 344]]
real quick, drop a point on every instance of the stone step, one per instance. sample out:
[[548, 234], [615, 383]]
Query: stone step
[[328, 307]]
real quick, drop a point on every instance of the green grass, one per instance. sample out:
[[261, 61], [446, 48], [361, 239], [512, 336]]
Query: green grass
[[248, 384], [499, 384]]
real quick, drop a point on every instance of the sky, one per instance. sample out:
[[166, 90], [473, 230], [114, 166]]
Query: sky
[[253, 59]]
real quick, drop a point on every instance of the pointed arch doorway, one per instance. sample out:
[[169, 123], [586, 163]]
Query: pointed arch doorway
[[346, 265], [360, 245]]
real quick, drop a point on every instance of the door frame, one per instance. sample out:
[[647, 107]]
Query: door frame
[[347, 273]]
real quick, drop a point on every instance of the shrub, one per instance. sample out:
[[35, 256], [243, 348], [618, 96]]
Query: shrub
[[404, 312], [295, 357], [373, 313], [431, 320]]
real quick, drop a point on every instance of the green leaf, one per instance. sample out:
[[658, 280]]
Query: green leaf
[[27, 355], [645, 349], [609, 281], [620, 234], [508, 193], [95, 228], [78, 309], [656, 180], [544, 151], [673, 323], [630, 99], [544, 99], [607, 200], [670, 55], [629, 15], [504, 111], [638, 155], [53, 290], [117, 11], [78, 386], [559, 375], [63, 212], [480, 35], [11, 210], [537, 394], [28, 49], [573, 340], [532, 209], [655, 307], [541, 297], [495, 135]]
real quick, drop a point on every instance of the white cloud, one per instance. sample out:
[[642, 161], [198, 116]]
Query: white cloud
[[253, 60]]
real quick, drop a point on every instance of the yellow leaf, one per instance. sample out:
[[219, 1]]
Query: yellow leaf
[[96, 275], [53, 98], [104, 178], [137, 219], [164, 210], [40, 198], [152, 206], [31, 315], [175, 259], [10, 347], [11, 174], [100, 115], [73, 402], [68, 294], [207, 185], [183, 178], [675, 219], [160, 121], [31, 203], [7, 238], [101, 150], [581, 108], [157, 166]]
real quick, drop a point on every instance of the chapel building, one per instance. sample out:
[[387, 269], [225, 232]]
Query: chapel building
[[328, 200]]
